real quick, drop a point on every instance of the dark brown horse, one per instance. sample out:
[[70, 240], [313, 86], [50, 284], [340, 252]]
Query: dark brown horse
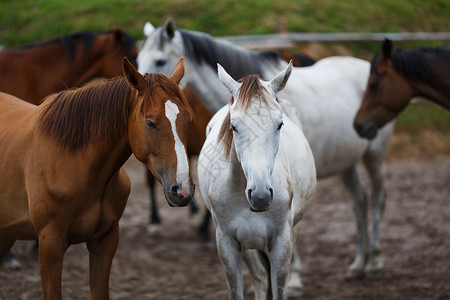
[[35, 71], [396, 77], [61, 166]]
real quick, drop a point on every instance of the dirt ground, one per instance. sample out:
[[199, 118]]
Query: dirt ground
[[415, 240]]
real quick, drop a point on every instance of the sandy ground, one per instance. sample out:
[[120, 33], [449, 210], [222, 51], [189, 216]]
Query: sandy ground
[[415, 239]]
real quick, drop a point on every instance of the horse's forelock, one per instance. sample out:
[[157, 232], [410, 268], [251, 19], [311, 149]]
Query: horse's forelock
[[251, 88], [159, 82]]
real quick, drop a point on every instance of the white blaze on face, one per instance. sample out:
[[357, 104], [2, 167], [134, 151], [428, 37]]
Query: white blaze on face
[[182, 161]]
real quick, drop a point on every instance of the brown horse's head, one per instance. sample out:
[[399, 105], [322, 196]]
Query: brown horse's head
[[158, 130], [387, 93], [115, 45]]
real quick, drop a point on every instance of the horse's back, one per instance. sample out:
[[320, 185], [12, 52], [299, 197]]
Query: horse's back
[[327, 96]]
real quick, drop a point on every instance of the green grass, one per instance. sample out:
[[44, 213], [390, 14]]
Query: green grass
[[424, 114], [29, 21]]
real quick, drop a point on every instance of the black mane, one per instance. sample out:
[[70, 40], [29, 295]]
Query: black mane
[[87, 37], [413, 63], [238, 61]]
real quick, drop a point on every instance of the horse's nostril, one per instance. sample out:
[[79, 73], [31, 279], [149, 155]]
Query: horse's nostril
[[249, 193], [271, 193], [174, 189], [357, 127]]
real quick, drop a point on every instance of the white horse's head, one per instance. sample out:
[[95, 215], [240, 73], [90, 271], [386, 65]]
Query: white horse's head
[[256, 120], [162, 49]]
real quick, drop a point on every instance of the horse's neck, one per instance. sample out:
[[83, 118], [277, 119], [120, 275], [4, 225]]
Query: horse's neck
[[111, 160], [205, 83], [437, 89]]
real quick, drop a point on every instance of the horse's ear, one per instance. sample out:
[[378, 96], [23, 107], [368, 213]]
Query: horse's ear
[[148, 29], [279, 81], [228, 81], [118, 34], [387, 48], [170, 28], [133, 77], [178, 73]]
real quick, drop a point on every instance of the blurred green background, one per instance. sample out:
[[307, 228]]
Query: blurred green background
[[25, 22]]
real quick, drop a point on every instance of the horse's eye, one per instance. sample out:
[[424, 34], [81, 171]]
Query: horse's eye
[[234, 128], [160, 62], [373, 85], [150, 124], [279, 126]]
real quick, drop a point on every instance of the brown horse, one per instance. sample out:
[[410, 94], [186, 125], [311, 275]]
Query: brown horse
[[196, 138], [61, 166], [33, 72], [396, 76]]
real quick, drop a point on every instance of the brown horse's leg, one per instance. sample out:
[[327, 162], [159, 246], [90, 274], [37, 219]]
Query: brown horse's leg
[[101, 253], [52, 246], [5, 245]]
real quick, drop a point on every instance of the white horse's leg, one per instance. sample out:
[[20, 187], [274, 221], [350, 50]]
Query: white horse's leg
[[231, 259], [280, 260], [295, 285], [359, 203], [259, 273], [378, 200]]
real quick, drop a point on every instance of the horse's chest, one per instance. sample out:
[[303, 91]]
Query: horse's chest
[[253, 230], [94, 220]]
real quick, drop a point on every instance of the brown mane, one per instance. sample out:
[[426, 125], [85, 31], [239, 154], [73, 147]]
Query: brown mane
[[99, 114], [250, 88], [94, 114]]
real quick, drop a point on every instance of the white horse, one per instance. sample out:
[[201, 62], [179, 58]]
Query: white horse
[[326, 94], [257, 176]]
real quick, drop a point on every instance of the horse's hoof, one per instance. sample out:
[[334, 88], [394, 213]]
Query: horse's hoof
[[154, 229], [374, 270], [355, 274], [294, 292], [12, 264]]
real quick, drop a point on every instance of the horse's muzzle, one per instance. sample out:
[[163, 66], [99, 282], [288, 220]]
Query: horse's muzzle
[[175, 198], [260, 200], [366, 129]]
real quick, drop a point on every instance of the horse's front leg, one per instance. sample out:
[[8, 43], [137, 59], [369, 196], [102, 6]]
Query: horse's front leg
[[52, 246], [231, 258], [295, 284], [101, 253], [258, 268], [280, 261], [374, 169], [359, 203]]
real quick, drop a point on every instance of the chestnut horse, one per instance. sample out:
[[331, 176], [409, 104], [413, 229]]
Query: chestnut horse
[[397, 76], [32, 72], [61, 166], [196, 138], [35, 71]]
